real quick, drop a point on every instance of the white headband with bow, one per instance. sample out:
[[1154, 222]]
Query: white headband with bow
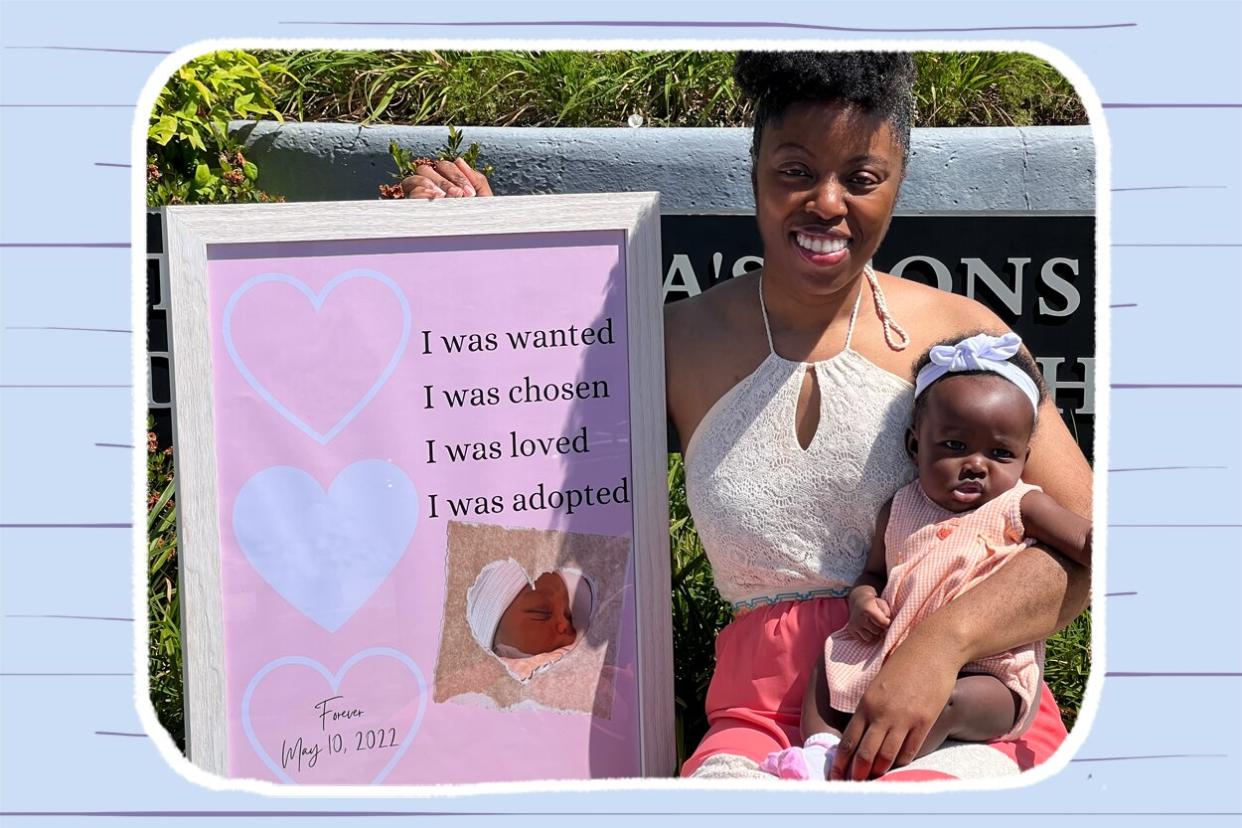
[[982, 352]]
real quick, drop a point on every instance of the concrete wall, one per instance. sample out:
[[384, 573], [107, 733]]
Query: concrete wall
[[1021, 169]]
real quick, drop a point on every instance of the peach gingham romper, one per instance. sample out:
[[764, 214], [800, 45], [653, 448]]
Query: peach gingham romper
[[933, 556]]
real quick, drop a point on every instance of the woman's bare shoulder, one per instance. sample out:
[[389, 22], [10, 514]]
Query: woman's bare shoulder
[[931, 314], [710, 341], [696, 324]]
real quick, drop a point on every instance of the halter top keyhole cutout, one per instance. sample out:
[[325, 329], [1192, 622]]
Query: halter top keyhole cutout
[[807, 412]]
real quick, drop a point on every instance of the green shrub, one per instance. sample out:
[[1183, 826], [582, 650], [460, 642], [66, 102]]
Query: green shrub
[[190, 157]]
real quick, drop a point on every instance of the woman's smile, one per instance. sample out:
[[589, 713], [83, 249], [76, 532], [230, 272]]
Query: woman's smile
[[826, 179], [822, 251]]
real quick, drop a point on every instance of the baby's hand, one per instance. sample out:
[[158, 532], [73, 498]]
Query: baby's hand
[[870, 615]]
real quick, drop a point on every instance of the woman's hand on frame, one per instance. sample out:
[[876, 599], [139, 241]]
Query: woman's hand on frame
[[440, 179]]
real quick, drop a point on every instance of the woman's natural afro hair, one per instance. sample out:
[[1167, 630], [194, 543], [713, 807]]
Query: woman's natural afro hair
[[880, 83]]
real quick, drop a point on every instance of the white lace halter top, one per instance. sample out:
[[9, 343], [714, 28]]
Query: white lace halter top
[[780, 522]]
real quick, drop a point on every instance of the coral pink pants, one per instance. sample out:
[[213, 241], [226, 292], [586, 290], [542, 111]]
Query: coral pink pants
[[763, 662]]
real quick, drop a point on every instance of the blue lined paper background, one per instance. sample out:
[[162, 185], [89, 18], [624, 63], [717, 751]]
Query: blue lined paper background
[[1166, 736]]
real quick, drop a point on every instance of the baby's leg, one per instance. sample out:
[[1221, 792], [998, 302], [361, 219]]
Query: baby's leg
[[821, 732], [818, 716], [980, 709]]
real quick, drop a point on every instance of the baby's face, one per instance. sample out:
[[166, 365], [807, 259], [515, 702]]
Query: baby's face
[[972, 440], [538, 620]]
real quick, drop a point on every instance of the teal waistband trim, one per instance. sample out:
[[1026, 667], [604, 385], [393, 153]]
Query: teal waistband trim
[[768, 600]]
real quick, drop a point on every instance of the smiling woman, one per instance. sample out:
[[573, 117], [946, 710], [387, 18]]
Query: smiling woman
[[810, 348]]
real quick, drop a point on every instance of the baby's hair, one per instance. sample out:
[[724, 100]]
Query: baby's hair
[[1020, 359], [880, 83]]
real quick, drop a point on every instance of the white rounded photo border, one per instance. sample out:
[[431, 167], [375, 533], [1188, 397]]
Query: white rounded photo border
[[140, 376]]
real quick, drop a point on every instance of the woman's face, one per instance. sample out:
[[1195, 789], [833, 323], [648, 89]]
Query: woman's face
[[826, 180]]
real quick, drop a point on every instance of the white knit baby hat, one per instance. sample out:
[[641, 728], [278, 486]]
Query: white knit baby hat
[[490, 595]]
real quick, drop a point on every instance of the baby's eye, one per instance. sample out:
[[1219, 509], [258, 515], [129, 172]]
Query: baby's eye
[[954, 445], [1003, 454]]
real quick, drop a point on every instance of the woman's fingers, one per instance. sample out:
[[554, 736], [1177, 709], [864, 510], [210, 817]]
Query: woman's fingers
[[845, 749], [459, 185], [866, 752], [433, 174], [910, 748], [425, 184], [476, 179], [418, 186], [890, 750], [455, 179]]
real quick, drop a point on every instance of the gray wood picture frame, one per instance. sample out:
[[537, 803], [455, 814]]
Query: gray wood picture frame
[[189, 232]]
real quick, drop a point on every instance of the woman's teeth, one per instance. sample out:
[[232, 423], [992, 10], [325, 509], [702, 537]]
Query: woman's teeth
[[816, 245]]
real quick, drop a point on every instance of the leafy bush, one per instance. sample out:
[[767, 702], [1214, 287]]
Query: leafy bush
[[190, 157]]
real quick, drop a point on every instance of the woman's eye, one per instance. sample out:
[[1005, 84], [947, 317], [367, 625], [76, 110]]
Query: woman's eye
[[794, 172]]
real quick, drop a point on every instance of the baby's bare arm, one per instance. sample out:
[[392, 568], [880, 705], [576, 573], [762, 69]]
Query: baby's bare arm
[[875, 571], [1053, 525]]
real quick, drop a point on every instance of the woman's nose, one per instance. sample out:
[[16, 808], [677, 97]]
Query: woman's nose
[[827, 200]]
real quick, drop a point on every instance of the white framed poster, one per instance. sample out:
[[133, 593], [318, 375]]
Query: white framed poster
[[422, 489]]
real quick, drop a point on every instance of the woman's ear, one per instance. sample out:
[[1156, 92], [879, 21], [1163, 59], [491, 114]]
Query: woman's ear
[[912, 444]]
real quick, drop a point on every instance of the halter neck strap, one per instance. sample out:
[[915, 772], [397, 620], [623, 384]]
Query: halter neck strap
[[894, 335], [763, 309]]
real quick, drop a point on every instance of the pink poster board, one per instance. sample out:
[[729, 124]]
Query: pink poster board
[[425, 503]]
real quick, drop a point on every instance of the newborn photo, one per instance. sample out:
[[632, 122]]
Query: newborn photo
[[531, 618]]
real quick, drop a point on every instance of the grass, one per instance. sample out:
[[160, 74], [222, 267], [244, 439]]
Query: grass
[[580, 89], [163, 598]]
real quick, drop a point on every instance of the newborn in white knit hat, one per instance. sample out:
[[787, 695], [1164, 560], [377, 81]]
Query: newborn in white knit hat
[[514, 617]]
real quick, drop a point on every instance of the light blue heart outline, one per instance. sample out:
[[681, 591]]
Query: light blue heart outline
[[317, 300], [335, 682]]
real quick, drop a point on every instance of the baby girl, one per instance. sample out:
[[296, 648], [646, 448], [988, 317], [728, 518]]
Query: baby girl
[[966, 514]]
